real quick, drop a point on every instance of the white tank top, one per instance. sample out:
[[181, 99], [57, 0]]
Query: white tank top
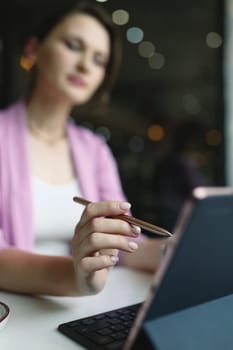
[[55, 216]]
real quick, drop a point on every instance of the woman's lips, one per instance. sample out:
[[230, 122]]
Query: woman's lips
[[77, 81]]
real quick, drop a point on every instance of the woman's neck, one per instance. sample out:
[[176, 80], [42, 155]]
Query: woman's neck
[[47, 119]]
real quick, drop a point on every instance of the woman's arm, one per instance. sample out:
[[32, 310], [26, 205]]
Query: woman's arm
[[97, 239], [24, 272]]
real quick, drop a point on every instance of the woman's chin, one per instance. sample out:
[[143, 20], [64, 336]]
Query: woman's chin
[[78, 100]]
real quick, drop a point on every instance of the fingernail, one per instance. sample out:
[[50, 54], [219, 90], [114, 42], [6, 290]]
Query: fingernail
[[133, 245], [114, 259], [125, 205], [136, 229]]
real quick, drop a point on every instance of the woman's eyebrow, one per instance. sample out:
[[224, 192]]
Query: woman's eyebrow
[[73, 37]]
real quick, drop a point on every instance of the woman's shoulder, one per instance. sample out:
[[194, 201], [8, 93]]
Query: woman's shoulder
[[85, 135], [90, 145], [8, 114]]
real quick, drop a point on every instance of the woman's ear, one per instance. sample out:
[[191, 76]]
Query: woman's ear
[[28, 59]]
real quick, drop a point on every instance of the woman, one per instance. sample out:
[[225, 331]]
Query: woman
[[45, 160]]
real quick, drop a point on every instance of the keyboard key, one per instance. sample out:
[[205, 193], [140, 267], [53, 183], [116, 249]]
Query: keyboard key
[[117, 327], [100, 339], [105, 331], [114, 320], [88, 321], [117, 345], [99, 317], [119, 335]]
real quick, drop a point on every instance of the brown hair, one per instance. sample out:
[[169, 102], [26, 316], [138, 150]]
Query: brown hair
[[90, 8]]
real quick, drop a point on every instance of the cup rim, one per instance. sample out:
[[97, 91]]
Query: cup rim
[[6, 313]]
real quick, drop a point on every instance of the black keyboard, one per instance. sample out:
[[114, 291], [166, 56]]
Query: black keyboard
[[106, 331]]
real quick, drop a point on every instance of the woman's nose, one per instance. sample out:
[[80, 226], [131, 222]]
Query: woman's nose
[[84, 63]]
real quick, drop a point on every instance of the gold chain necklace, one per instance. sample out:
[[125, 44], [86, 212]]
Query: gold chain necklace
[[46, 138]]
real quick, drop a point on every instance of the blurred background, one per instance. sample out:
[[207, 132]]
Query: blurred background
[[169, 120]]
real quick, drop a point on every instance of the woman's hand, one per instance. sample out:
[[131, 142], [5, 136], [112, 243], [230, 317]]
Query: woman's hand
[[98, 237]]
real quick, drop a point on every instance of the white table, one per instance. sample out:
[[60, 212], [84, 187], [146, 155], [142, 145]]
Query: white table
[[33, 320]]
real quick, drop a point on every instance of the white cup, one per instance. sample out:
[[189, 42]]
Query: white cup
[[4, 314]]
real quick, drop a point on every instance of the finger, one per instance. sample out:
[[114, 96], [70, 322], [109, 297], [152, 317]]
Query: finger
[[110, 226], [98, 241], [113, 252], [95, 263], [104, 225], [109, 208]]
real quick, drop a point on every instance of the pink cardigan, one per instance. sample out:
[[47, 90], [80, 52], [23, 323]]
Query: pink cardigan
[[94, 164]]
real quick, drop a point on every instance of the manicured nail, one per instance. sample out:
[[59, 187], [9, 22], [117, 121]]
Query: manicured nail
[[136, 229], [133, 245], [125, 205], [114, 259]]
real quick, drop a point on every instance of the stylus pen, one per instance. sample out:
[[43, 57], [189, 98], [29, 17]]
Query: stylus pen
[[131, 220]]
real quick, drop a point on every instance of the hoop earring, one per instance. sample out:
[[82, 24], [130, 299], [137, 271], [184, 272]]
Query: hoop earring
[[26, 63]]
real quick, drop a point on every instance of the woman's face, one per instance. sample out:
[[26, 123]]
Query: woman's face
[[71, 61]]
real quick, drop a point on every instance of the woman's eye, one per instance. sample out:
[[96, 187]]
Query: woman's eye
[[73, 45], [100, 61]]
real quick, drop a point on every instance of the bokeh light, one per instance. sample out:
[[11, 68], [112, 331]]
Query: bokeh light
[[134, 35], [213, 137], [156, 61], [136, 144], [120, 17], [104, 132], [146, 49], [191, 104], [155, 132], [213, 40]]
